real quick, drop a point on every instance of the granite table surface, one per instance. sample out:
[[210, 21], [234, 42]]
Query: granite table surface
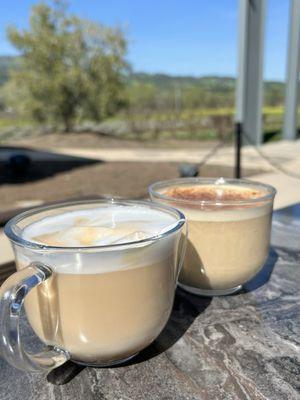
[[244, 346]]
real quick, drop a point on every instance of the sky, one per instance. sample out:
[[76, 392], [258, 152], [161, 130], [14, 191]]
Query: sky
[[190, 37]]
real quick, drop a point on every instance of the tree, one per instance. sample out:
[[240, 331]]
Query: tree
[[69, 68], [142, 96]]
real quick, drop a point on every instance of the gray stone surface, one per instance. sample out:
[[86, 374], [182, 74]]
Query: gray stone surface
[[236, 347]]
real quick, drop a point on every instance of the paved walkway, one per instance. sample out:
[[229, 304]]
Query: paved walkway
[[286, 154], [223, 157], [280, 152]]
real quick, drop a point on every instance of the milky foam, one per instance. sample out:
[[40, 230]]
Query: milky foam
[[98, 226], [221, 203]]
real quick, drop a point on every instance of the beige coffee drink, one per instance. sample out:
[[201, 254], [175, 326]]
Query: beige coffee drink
[[229, 226], [102, 304]]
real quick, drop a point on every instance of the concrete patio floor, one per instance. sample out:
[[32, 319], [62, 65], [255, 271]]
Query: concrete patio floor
[[282, 152], [286, 154]]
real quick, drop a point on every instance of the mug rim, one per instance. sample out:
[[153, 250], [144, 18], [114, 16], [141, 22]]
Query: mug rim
[[17, 239], [155, 194]]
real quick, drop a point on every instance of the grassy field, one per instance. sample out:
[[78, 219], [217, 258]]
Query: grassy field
[[204, 123], [195, 124]]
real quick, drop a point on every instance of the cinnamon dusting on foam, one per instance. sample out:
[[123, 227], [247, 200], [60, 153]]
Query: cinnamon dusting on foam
[[212, 193]]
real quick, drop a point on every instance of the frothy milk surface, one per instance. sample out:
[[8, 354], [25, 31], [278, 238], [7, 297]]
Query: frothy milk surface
[[99, 226], [214, 195], [214, 192]]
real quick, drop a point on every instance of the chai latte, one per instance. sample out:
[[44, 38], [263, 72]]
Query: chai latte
[[229, 233], [103, 305]]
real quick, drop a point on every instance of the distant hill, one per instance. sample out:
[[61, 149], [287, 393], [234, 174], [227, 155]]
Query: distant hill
[[221, 90], [215, 85], [167, 81]]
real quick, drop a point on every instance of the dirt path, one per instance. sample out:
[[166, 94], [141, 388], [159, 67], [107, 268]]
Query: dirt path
[[117, 179], [95, 140]]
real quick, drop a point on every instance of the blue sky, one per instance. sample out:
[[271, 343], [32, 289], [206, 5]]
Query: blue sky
[[190, 37]]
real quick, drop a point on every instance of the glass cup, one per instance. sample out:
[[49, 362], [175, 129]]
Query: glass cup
[[229, 234], [96, 305]]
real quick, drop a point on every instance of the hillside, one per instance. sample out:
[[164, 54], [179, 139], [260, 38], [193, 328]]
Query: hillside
[[216, 86], [207, 91], [167, 81]]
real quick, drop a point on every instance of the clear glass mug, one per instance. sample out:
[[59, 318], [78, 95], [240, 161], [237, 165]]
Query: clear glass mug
[[95, 318], [228, 239]]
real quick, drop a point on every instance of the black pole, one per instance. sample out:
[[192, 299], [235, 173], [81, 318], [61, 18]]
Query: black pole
[[238, 146]]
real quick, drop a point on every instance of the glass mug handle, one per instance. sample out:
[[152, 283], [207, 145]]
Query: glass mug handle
[[12, 295]]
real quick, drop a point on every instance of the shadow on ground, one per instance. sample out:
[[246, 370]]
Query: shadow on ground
[[20, 165]]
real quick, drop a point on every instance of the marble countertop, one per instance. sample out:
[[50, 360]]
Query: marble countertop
[[237, 347]]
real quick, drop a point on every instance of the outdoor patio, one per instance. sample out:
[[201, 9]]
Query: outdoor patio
[[81, 121]]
